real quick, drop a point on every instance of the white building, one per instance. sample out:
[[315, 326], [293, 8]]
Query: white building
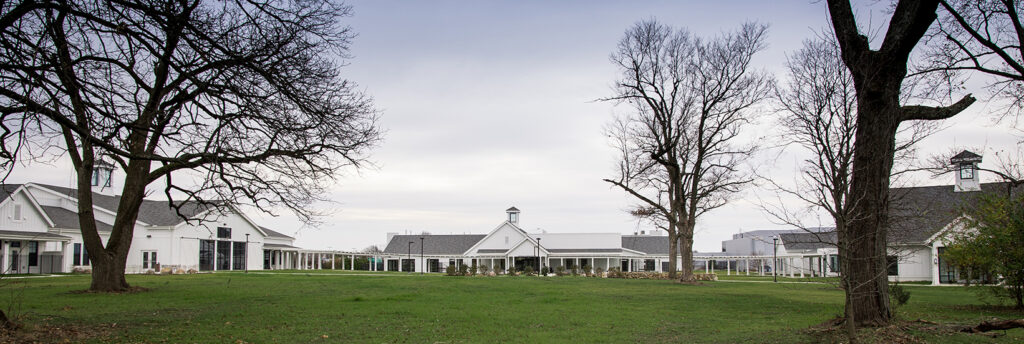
[[921, 218], [509, 245], [39, 230]]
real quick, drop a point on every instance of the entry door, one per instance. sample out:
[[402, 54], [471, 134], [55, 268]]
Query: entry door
[[15, 261], [947, 273]]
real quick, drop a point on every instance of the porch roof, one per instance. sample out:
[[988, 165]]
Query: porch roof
[[35, 236]]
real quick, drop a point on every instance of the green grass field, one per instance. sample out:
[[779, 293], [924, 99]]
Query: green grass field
[[296, 307]]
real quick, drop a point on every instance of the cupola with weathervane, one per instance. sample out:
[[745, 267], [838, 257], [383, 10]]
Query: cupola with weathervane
[[966, 164], [513, 215], [102, 171]]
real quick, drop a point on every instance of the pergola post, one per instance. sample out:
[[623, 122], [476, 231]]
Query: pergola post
[[352, 263], [728, 270]]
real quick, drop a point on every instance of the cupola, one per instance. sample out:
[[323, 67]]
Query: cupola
[[513, 215], [966, 169]]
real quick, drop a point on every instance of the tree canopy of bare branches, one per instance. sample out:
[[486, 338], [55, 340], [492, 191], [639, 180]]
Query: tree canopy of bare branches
[[679, 153], [979, 38], [246, 96]]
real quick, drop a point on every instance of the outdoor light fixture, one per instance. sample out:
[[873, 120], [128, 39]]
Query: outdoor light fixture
[[775, 259], [423, 263]]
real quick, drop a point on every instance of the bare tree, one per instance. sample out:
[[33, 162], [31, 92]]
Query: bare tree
[[240, 100], [878, 77], [978, 38], [679, 154]]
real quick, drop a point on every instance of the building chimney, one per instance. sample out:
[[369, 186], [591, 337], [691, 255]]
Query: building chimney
[[966, 170], [513, 215]]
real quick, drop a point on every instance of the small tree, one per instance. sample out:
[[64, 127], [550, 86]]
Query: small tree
[[484, 269], [992, 249], [528, 270], [451, 270]]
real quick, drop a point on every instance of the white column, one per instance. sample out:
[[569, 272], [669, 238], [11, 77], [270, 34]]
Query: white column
[[727, 267], [352, 263], [707, 266], [802, 267], [934, 263], [790, 267], [746, 264]]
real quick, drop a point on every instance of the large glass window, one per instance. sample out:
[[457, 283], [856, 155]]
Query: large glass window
[[206, 251], [833, 263], [223, 255], [648, 264], [433, 265], [268, 257], [223, 233], [408, 265], [392, 265], [238, 255], [77, 258], [149, 260], [33, 253], [893, 265]]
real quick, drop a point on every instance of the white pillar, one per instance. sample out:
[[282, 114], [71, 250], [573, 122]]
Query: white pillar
[[707, 266], [934, 264], [789, 266], [727, 267], [352, 265], [802, 267], [746, 264]]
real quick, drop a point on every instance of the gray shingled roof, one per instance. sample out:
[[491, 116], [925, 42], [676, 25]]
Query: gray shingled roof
[[433, 244], [274, 234], [7, 189], [66, 219], [157, 213], [648, 244], [917, 213], [808, 241]]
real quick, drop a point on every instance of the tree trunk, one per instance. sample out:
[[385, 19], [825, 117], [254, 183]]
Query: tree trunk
[[686, 254], [673, 254], [865, 238], [108, 274]]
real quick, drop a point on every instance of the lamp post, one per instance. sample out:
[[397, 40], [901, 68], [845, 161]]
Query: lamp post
[[540, 262], [410, 255], [245, 263], [775, 259], [423, 263]]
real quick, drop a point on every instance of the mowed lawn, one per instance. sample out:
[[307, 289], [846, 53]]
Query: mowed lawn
[[299, 307]]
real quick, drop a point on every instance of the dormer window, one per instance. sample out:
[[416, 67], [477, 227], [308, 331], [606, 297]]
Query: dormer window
[[967, 171]]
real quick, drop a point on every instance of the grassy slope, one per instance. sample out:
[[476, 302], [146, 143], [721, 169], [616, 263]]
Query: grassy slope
[[298, 308]]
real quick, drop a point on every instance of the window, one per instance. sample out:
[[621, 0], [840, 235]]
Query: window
[[238, 255], [77, 258], [648, 264], [85, 256], [33, 253], [392, 265], [408, 265], [223, 233], [833, 263], [893, 265], [206, 252], [17, 212], [149, 260], [101, 176], [966, 171], [433, 265], [223, 255]]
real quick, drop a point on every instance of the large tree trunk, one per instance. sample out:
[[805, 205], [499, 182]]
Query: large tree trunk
[[686, 254], [865, 234], [673, 254], [108, 273]]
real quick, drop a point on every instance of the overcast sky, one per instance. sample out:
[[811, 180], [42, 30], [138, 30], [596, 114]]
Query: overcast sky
[[488, 105]]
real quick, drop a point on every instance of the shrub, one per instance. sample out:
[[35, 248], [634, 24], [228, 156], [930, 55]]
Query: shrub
[[528, 271], [463, 270], [512, 270], [575, 271], [472, 270], [450, 270], [484, 269], [544, 271], [599, 272], [588, 270], [898, 295], [560, 270]]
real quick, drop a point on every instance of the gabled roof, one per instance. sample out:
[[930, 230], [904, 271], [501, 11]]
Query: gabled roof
[[808, 241], [152, 212], [454, 244], [274, 234], [512, 209], [918, 213], [649, 244]]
